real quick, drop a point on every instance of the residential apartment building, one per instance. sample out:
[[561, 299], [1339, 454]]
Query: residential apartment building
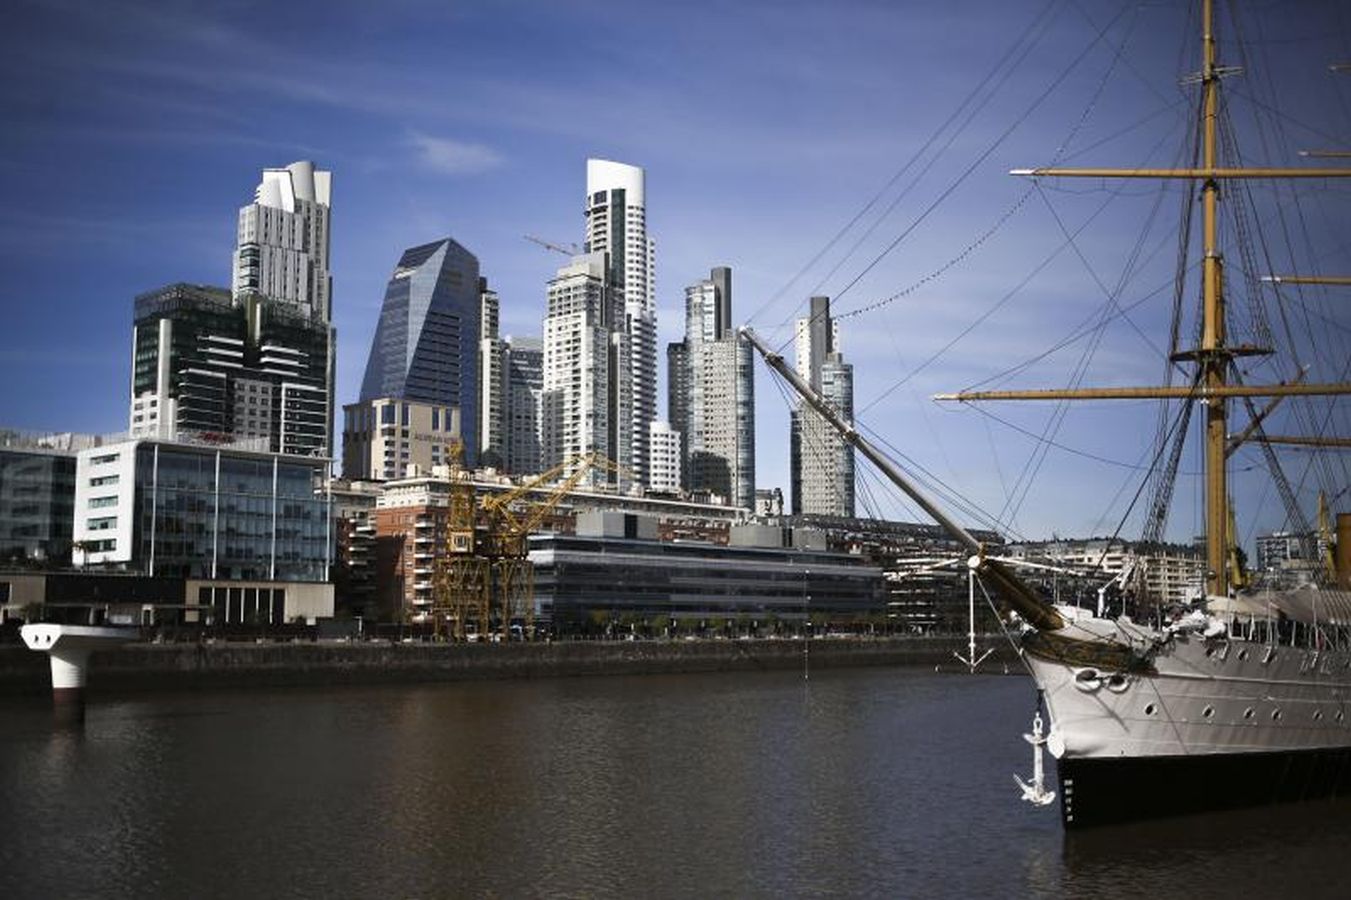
[[616, 226], [409, 521], [664, 474], [586, 400], [1157, 574], [491, 412], [522, 398], [282, 251], [282, 255], [718, 407], [821, 461]]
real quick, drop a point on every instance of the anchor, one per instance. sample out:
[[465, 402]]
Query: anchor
[[1036, 792]]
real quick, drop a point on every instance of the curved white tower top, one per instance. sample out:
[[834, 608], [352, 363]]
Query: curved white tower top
[[616, 224], [282, 249], [607, 175]]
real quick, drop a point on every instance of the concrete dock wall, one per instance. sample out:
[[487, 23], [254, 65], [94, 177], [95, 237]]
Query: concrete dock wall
[[137, 667]]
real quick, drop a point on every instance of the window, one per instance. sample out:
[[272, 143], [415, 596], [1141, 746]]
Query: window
[[103, 460], [103, 523], [102, 502], [103, 481]]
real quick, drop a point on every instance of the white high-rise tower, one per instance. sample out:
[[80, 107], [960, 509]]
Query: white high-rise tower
[[282, 251], [616, 224], [281, 262], [584, 391]]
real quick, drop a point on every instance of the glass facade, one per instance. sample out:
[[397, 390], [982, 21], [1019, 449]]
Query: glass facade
[[426, 342], [215, 514], [576, 577], [37, 506], [238, 368]]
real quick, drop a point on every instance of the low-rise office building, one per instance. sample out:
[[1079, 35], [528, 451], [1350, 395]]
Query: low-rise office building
[[248, 533], [37, 490], [615, 569]]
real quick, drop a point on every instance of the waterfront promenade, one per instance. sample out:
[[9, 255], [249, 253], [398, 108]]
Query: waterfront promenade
[[170, 666]]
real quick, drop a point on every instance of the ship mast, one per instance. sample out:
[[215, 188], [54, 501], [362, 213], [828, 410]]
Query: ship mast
[[1214, 356], [1211, 358]]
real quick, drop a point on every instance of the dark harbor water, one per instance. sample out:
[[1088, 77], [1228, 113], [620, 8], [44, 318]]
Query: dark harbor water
[[859, 783]]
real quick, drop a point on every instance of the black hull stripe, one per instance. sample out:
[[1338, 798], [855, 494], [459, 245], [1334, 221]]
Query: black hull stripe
[[1107, 791]]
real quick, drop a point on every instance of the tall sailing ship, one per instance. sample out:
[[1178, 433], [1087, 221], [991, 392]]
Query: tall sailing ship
[[1245, 699]]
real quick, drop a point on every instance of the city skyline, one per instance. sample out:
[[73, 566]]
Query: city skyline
[[807, 133]]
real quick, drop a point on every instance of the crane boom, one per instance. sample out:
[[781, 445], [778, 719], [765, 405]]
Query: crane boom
[[569, 250]]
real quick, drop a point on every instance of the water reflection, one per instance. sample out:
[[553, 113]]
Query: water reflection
[[871, 783]]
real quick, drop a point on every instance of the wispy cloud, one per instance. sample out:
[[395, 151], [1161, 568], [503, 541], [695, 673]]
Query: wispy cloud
[[453, 157]]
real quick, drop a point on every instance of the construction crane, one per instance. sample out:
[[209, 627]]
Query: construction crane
[[485, 567], [570, 250], [511, 520], [462, 581]]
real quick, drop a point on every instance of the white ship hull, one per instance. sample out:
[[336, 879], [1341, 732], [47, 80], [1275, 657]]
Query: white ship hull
[[1193, 724]]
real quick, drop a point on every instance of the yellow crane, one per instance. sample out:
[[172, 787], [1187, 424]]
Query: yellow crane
[[484, 567], [462, 581], [511, 520]]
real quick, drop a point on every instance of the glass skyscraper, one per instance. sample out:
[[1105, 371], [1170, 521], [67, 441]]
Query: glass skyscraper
[[425, 347]]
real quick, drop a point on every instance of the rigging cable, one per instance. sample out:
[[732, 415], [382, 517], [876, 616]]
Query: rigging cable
[[994, 145], [1032, 26]]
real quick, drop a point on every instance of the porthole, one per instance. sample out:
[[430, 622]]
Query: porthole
[[1248, 713], [1318, 715], [1340, 715], [1208, 712], [1242, 654], [1275, 715], [1149, 709], [1210, 651]]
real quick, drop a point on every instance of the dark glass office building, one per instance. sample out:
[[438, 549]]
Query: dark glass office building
[[210, 366], [426, 342], [577, 577], [37, 504]]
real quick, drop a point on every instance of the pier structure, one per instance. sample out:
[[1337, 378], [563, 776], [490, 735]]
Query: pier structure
[[68, 648]]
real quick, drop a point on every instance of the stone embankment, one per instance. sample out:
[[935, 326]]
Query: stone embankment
[[172, 666]]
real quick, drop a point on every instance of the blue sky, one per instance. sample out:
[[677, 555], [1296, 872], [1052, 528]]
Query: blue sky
[[135, 130]]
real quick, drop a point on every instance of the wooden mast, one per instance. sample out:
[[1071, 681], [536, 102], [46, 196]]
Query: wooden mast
[[1213, 364], [1213, 356]]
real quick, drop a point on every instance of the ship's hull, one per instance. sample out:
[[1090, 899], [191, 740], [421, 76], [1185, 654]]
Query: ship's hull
[[1195, 725], [1104, 791]]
